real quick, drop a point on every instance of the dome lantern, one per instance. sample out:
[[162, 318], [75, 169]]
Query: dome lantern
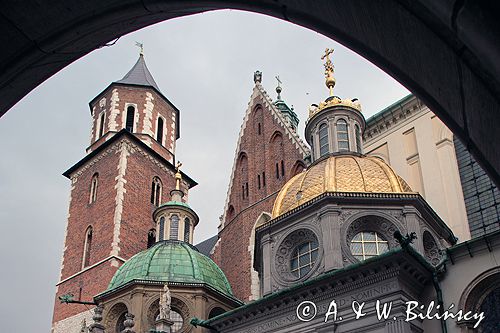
[[335, 125], [175, 219]]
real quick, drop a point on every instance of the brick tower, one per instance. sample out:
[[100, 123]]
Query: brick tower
[[269, 152], [128, 170]]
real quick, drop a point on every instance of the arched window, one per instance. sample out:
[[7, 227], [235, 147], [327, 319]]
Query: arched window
[[159, 131], [101, 124], [87, 248], [93, 187], [174, 227], [161, 229], [358, 138], [323, 140], [342, 135], [187, 229], [151, 237], [129, 123], [215, 312], [230, 213], [156, 191], [312, 147]]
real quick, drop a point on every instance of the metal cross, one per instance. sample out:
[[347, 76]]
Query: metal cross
[[279, 81], [327, 53]]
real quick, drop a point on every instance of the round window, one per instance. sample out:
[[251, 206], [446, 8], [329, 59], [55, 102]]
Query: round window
[[177, 319], [367, 244], [303, 258]]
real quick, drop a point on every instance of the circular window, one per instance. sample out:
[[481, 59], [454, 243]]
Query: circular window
[[367, 244], [177, 319], [303, 258]]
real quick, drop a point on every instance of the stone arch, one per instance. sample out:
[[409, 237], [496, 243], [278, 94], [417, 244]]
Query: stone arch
[[113, 314], [258, 120], [431, 249], [297, 168], [242, 183], [283, 251], [474, 294], [215, 311], [153, 307], [26, 66], [230, 213], [254, 275], [379, 222]]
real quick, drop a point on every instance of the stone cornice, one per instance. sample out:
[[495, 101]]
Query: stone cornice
[[393, 117], [398, 264]]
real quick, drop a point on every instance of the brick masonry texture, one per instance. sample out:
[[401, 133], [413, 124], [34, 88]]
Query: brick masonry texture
[[257, 154], [149, 106], [135, 221]]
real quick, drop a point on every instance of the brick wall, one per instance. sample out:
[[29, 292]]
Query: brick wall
[[148, 104], [263, 145], [120, 217]]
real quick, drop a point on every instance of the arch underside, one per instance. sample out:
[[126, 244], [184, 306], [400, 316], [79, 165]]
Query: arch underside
[[430, 47]]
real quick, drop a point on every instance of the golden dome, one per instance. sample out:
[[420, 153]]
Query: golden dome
[[341, 173]]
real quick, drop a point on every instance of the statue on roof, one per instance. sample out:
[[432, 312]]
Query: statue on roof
[[165, 301]]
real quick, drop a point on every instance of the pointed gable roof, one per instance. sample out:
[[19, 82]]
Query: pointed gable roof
[[270, 106], [139, 75]]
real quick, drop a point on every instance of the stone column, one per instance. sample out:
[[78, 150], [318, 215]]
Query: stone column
[[330, 229], [96, 326], [163, 326], [266, 264], [397, 326], [413, 225]]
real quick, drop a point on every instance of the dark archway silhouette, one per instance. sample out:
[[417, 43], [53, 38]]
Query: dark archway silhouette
[[445, 52]]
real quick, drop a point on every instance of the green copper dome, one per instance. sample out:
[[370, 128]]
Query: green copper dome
[[174, 262]]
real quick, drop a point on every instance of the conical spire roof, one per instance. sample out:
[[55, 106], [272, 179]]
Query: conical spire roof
[[139, 75]]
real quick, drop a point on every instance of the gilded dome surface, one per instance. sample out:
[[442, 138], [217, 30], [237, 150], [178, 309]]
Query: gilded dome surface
[[340, 173]]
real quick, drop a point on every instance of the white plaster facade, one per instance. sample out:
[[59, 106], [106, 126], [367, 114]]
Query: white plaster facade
[[419, 147]]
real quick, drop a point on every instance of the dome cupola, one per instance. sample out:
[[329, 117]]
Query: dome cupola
[[175, 219], [335, 125]]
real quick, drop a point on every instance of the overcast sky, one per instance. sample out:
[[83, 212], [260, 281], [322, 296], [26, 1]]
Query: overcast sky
[[204, 64]]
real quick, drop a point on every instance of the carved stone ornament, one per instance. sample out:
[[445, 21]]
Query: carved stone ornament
[[378, 224], [285, 250], [431, 250]]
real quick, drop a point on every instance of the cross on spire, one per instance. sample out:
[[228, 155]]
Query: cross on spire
[[330, 80], [278, 88]]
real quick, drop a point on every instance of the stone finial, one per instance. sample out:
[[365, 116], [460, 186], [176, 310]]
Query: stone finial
[[96, 326], [257, 77], [128, 323]]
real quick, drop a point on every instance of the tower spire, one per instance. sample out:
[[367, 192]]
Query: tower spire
[[330, 80]]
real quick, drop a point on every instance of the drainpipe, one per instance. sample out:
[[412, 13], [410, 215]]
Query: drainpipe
[[439, 294]]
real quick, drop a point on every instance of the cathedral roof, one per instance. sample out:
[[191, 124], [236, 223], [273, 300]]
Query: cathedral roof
[[139, 75], [173, 262], [339, 173]]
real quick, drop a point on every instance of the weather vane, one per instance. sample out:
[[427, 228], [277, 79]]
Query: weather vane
[[330, 80], [141, 46]]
